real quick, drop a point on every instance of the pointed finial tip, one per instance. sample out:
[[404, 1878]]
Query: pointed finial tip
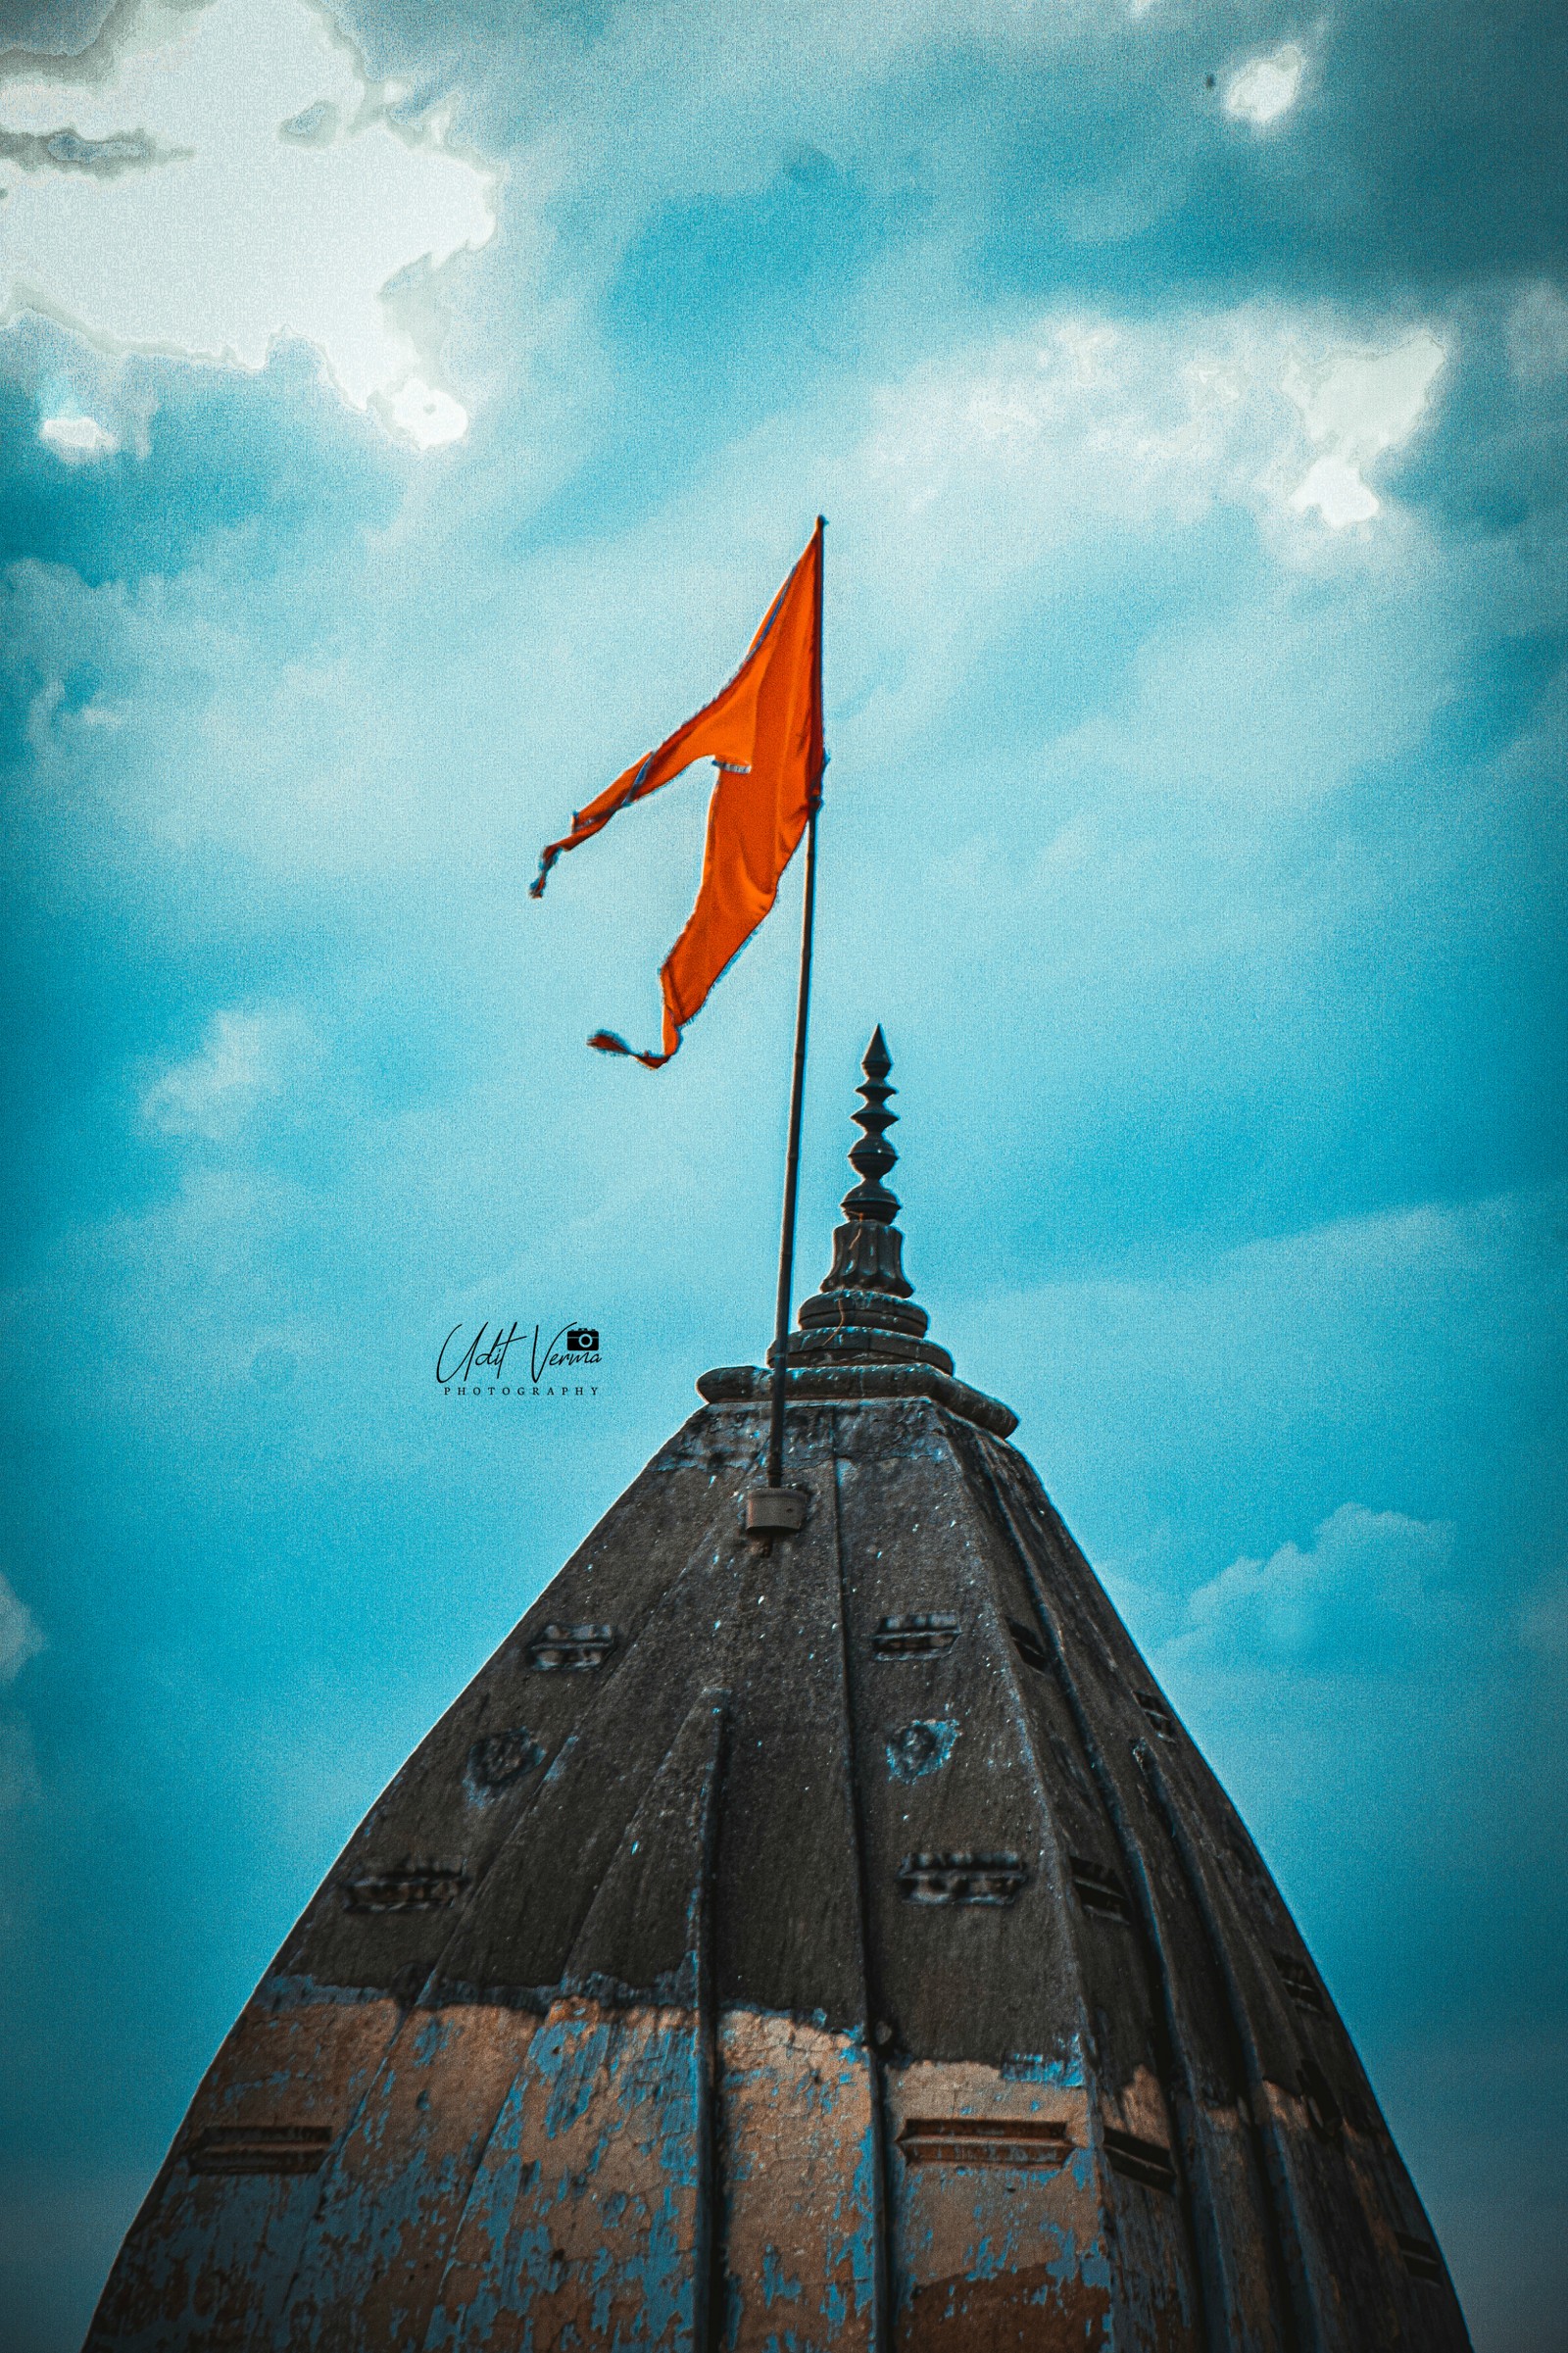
[[877, 1061]]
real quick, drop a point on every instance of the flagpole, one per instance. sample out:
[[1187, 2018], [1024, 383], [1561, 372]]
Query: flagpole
[[792, 1170]]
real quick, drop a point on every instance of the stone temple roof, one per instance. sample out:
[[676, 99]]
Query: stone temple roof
[[830, 1938]]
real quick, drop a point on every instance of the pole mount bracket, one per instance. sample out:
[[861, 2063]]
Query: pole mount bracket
[[775, 1510]]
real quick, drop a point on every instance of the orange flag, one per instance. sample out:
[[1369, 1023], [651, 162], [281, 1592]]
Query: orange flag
[[764, 735]]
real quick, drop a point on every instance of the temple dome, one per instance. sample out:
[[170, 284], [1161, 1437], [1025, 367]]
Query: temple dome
[[825, 1938]]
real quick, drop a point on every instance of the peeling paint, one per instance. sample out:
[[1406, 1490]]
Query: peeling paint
[[215, 2252], [798, 2163]]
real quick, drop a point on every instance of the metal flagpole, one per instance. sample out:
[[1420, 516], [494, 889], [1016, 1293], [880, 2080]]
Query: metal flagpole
[[771, 1509], [792, 1170]]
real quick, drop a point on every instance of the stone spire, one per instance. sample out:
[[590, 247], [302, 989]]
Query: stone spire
[[868, 1251], [864, 1311]]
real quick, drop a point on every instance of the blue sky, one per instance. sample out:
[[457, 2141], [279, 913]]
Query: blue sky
[[405, 414]]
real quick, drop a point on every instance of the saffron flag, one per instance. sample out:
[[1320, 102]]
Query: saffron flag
[[764, 735]]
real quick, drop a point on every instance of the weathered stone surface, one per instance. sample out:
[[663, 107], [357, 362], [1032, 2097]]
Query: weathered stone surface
[[647, 2076]]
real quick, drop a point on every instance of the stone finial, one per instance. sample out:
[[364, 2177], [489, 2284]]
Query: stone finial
[[864, 1311], [868, 1251]]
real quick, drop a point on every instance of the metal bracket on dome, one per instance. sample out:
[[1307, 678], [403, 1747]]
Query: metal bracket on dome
[[775, 1510]]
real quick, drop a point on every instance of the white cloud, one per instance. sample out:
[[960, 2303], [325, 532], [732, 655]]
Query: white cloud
[[1266, 87], [425, 415], [951, 483], [232, 180], [76, 438], [998, 456], [21, 1636], [1370, 1583], [1090, 416], [1335, 487], [1538, 334], [243, 1061], [1357, 403], [1029, 438]]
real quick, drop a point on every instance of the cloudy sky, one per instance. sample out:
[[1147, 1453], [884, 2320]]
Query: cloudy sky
[[406, 413]]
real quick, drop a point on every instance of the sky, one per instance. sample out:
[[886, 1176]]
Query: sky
[[406, 413]]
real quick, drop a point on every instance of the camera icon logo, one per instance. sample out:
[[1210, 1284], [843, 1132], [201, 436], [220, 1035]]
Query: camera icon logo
[[582, 1339]]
